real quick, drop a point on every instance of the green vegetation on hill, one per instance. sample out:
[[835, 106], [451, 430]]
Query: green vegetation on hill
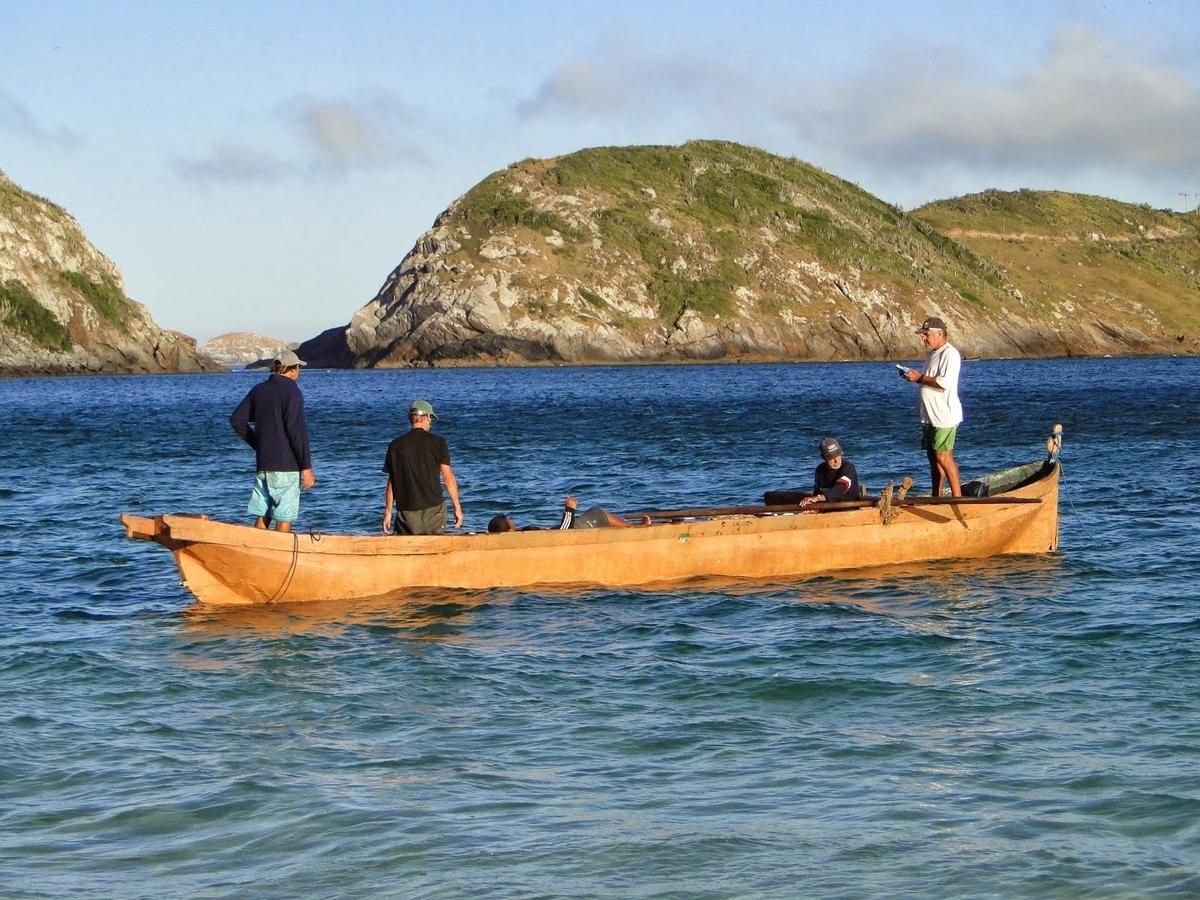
[[1047, 213], [20, 312], [17, 204], [696, 219], [494, 205], [107, 299], [1115, 260]]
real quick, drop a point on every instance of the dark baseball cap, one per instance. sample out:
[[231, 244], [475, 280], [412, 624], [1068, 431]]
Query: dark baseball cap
[[830, 448], [933, 323]]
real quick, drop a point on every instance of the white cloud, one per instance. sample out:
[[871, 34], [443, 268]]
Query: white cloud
[[1085, 101], [374, 130], [315, 136], [625, 79], [233, 163]]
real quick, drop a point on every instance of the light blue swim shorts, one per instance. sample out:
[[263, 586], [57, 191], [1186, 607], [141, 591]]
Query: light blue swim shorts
[[276, 496]]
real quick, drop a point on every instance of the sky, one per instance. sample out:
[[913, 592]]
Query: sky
[[263, 166]]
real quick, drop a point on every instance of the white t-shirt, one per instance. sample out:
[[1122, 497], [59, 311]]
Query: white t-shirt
[[942, 409]]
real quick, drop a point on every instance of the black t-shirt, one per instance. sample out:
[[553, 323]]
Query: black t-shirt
[[836, 484], [412, 465]]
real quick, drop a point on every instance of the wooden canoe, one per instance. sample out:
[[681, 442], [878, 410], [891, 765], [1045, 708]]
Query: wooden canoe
[[225, 564]]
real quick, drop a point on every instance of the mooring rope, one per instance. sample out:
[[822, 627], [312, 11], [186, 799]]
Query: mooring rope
[[287, 582], [1062, 479]]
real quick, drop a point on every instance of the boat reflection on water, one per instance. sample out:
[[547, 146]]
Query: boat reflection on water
[[910, 591], [425, 614], [959, 585]]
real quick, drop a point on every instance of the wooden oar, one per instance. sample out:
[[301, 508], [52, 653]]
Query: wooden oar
[[827, 505]]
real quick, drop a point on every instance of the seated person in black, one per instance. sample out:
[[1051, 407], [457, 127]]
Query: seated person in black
[[835, 478], [595, 517]]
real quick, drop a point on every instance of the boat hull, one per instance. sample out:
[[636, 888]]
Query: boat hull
[[226, 564]]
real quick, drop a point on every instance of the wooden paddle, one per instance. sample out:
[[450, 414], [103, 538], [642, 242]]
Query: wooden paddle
[[827, 505]]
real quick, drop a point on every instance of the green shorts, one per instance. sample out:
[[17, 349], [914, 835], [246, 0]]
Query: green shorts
[[939, 440]]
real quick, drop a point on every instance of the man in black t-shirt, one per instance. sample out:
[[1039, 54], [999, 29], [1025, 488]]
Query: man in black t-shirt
[[416, 465], [835, 478]]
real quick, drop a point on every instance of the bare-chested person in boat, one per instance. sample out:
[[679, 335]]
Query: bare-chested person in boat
[[594, 517]]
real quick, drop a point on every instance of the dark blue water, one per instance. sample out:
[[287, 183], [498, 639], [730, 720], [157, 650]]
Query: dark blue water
[[1012, 727]]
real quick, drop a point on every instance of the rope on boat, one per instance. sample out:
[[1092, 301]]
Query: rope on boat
[[1054, 457], [889, 509], [287, 582], [886, 512], [1062, 480]]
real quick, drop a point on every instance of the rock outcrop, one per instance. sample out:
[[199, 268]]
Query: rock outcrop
[[240, 348], [707, 251], [63, 308]]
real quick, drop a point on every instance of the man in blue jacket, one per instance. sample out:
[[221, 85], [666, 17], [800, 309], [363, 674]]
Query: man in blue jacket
[[280, 441]]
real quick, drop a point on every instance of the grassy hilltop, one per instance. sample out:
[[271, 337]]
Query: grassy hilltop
[[731, 213], [1103, 258]]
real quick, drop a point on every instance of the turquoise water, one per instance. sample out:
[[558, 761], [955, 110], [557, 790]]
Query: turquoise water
[[1012, 727]]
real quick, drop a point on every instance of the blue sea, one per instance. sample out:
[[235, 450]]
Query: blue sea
[[1015, 727]]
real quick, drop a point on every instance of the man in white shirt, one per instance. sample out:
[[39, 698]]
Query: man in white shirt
[[941, 411]]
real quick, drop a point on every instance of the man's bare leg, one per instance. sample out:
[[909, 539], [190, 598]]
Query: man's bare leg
[[935, 474], [260, 522], [946, 463], [618, 522], [283, 526]]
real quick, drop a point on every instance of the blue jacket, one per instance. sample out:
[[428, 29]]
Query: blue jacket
[[279, 436]]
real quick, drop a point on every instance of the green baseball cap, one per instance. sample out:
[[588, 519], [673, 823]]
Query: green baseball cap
[[424, 407]]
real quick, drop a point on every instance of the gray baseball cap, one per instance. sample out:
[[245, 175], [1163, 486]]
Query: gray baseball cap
[[830, 448], [288, 358]]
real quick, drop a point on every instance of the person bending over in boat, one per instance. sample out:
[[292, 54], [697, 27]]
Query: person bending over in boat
[[416, 465], [595, 517], [835, 478]]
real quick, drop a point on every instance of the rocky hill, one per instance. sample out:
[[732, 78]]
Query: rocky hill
[[239, 348], [709, 250], [63, 307]]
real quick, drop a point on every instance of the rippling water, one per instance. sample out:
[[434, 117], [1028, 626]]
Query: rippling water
[[1013, 727]]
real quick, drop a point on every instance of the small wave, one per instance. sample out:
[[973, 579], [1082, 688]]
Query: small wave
[[86, 615]]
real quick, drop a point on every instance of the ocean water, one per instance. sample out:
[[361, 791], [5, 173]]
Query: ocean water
[[1014, 727]]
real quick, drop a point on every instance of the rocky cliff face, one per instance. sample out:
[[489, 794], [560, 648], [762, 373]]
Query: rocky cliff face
[[240, 348], [706, 251], [63, 307]]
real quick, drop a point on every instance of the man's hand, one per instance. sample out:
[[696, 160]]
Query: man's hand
[[387, 520], [809, 501], [570, 503], [307, 479], [912, 375], [458, 517]]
